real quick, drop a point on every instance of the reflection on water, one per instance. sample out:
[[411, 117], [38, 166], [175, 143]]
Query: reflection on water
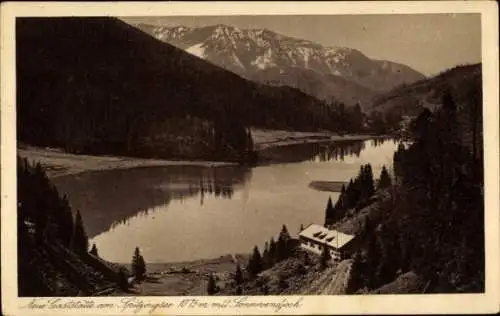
[[329, 152], [108, 198], [185, 213]]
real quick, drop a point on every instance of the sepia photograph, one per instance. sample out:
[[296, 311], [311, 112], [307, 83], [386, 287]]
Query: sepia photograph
[[241, 155]]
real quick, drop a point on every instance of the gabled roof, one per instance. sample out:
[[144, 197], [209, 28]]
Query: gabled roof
[[322, 235]]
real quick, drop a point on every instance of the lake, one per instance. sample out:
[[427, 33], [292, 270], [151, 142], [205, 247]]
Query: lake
[[183, 213]]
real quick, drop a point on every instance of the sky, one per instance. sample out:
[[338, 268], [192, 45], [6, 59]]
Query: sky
[[428, 43]]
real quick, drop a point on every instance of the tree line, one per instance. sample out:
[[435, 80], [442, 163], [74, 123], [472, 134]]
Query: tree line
[[273, 253], [357, 193], [433, 222], [46, 221], [43, 215]]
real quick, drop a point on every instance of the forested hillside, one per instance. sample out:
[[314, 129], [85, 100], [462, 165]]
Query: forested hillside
[[427, 227], [101, 86], [53, 258], [411, 99]]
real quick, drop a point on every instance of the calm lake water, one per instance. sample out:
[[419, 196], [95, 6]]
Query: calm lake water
[[186, 213]]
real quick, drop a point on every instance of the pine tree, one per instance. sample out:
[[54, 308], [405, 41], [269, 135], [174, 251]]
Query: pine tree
[[283, 246], [284, 233], [211, 285], [348, 200], [138, 265], [329, 212], [94, 250], [238, 275], [398, 160], [369, 183], [255, 263], [340, 204], [385, 179], [80, 239]]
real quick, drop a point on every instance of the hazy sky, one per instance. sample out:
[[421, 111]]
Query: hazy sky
[[428, 43]]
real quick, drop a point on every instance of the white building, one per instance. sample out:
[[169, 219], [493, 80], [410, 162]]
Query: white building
[[314, 237]]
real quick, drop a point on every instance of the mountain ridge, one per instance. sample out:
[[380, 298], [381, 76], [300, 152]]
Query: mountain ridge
[[250, 52]]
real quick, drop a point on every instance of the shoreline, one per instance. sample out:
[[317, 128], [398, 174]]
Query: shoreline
[[58, 163], [264, 139]]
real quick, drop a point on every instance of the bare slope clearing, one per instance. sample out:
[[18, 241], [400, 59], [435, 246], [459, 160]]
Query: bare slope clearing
[[59, 163]]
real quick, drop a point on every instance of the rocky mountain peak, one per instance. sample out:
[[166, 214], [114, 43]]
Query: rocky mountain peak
[[267, 56]]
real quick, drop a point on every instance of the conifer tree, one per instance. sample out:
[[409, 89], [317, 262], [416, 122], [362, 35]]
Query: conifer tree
[[80, 239], [385, 179], [94, 250], [329, 212], [238, 275], [283, 246], [284, 233], [339, 205], [138, 265], [255, 263], [348, 199], [370, 184], [211, 285]]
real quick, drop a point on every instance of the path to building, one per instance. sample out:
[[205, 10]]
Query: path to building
[[333, 280]]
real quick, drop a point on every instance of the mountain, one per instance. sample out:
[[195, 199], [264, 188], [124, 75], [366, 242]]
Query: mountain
[[99, 85], [463, 82], [411, 99], [262, 55]]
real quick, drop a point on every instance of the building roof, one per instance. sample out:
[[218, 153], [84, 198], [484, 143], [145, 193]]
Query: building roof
[[322, 235]]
